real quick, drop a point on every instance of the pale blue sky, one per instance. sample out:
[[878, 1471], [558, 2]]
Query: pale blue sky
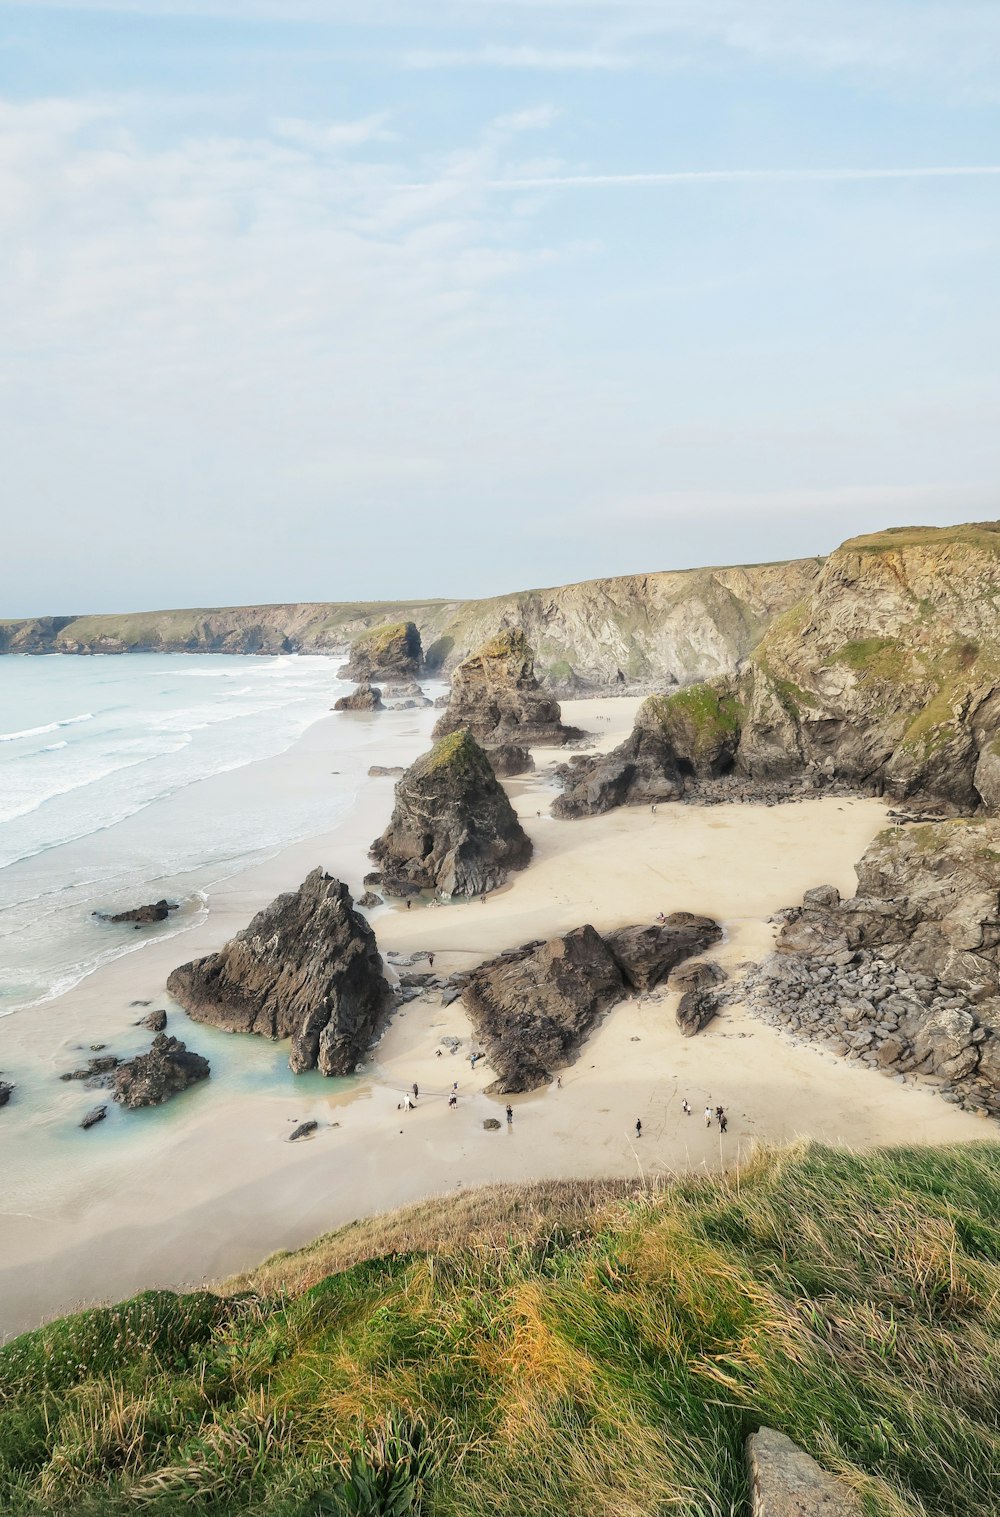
[[335, 299]]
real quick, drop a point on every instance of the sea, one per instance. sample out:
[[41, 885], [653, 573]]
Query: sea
[[101, 761]]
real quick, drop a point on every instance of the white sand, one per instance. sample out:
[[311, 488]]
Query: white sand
[[214, 1186]]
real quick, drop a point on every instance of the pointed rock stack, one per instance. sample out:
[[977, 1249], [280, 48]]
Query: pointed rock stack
[[452, 829], [495, 694], [385, 653], [306, 968]]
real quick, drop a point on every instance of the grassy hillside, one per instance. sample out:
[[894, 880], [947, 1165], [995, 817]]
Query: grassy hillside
[[550, 1350]]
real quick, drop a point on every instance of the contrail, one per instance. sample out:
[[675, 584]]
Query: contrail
[[717, 176]]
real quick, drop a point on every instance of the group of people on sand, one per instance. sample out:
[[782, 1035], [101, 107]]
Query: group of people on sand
[[718, 1115]]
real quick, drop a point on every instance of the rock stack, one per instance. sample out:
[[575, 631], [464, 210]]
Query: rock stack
[[306, 968], [496, 696], [453, 829], [152, 1078], [365, 698], [385, 653]]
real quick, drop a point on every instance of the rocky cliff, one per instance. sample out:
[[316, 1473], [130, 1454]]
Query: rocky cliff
[[906, 975], [452, 828], [306, 968], [496, 695], [668, 627]]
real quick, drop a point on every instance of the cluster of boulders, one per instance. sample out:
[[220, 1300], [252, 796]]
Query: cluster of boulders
[[453, 829], [306, 968], [533, 1006], [905, 976]]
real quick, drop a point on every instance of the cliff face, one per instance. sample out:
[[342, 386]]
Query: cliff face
[[888, 673], [667, 627]]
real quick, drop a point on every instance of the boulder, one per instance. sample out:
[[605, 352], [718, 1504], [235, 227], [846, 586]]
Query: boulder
[[646, 955], [141, 916], [695, 1010], [306, 968], [95, 1115], [156, 1021], [786, 1482], [6, 1091], [152, 1078], [944, 1043], [302, 1131], [700, 974], [533, 1007], [365, 698], [492, 1125], [453, 828], [390, 652], [509, 759], [496, 696], [369, 900]]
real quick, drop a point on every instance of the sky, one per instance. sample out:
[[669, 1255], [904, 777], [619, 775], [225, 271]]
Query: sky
[[355, 299]]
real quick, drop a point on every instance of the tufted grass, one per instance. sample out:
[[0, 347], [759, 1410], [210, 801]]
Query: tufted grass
[[601, 1349]]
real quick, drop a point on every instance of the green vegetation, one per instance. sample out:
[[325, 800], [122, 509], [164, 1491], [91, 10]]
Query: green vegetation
[[984, 535], [458, 752], [538, 1351], [875, 657]]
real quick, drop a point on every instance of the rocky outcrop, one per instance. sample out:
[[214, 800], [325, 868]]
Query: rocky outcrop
[[496, 696], [304, 1130], [510, 760], [152, 1078], [153, 1021], [97, 1074], [905, 976], [533, 1007], [383, 771], [158, 911], [696, 1009], [699, 974], [95, 1115], [407, 696], [452, 829], [366, 697], [307, 968], [646, 955], [390, 652], [787, 1482]]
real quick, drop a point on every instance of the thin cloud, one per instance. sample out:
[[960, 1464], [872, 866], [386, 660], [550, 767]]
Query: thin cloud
[[576, 60], [739, 176]]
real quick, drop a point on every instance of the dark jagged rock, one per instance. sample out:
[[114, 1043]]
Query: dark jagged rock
[[695, 1010], [677, 741], [453, 828], [302, 1131], [509, 760], [156, 1021], [6, 1091], [152, 1078], [533, 1007], [391, 652], [306, 968], [492, 1125], [905, 976], [141, 916], [365, 698], [646, 955], [97, 1074], [95, 1115], [369, 900], [700, 974], [495, 694]]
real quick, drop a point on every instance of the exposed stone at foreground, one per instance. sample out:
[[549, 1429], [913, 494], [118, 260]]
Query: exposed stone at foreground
[[646, 955], [367, 697], [452, 828], [306, 968], [153, 1021], [904, 977], [494, 693], [786, 1482], [141, 916], [152, 1078], [6, 1091], [699, 974], [696, 1009], [391, 652], [534, 1006]]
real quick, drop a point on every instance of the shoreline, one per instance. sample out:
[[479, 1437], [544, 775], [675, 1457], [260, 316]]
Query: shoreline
[[207, 1185]]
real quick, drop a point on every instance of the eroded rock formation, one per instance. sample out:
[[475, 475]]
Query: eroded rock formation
[[646, 955], [152, 1078], [906, 975], [367, 697], [391, 652], [452, 828], [306, 968], [496, 696]]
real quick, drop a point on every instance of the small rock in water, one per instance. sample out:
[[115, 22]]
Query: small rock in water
[[156, 1021], [95, 1115], [303, 1131]]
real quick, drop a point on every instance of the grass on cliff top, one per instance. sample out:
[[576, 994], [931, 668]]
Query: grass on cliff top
[[700, 707], [380, 638], [976, 534], [539, 1351]]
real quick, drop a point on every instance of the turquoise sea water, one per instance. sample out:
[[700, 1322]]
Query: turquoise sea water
[[97, 756]]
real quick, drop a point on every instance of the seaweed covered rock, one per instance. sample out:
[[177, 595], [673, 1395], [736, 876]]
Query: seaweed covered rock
[[452, 828], [533, 1007], [306, 968], [391, 652], [152, 1078], [367, 697], [646, 955], [676, 741], [496, 696]]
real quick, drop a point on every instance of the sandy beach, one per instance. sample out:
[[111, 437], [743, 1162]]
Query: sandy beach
[[209, 1185]]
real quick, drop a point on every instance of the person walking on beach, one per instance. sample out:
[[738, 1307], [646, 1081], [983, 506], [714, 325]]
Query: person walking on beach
[[454, 1087], [415, 1090], [653, 808], [708, 1116], [407, 1102], [409, 903], [638, 1127], [430, 961], [723, 1122], [510, 1116], [720, 1112], [452, 1101], [685, 1108]]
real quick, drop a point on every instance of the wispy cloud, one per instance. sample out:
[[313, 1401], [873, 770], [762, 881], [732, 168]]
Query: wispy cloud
[[742, 176], [541, 59]]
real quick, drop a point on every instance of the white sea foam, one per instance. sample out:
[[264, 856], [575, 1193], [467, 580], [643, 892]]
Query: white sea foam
[[69, 721]]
